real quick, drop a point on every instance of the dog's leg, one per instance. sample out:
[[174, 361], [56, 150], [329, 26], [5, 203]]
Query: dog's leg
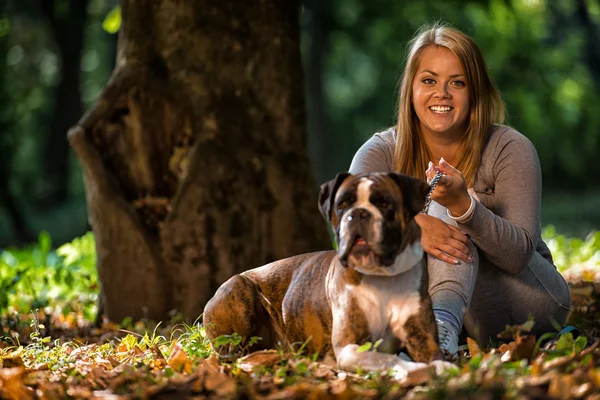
[[235, 307], [350, 359], [421, 335], [351, 329]]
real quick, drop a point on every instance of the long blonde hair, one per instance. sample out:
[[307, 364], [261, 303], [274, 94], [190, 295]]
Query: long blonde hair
[[487, 106]]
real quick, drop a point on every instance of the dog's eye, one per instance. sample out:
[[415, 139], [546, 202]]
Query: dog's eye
[[345, 203], [381, 202]]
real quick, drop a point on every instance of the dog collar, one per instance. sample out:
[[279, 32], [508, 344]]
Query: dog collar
[[408, 259]]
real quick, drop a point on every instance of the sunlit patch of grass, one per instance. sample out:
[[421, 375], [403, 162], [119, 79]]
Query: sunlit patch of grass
[[56, 351]]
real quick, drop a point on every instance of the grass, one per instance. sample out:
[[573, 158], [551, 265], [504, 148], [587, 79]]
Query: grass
[[55, 352]]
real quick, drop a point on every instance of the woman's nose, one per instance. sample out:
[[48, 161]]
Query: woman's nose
[[442, 91]]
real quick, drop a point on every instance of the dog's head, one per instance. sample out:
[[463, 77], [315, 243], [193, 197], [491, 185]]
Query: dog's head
[[372, 216]]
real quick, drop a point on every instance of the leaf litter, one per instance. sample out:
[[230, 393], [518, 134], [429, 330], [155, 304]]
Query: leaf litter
[[58, 357]]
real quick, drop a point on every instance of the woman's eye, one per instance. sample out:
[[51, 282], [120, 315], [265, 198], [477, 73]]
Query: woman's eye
[[428, 81], [459, 83]]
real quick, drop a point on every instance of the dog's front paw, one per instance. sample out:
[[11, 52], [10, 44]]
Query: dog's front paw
[[442, 366], [402, 368]]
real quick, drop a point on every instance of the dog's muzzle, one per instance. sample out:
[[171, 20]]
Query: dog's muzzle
[[357, 225]]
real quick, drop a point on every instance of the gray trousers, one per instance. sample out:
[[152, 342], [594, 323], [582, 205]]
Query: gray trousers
[[485, 299]]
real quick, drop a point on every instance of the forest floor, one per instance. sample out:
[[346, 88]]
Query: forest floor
[[57, 353], [53, 356]]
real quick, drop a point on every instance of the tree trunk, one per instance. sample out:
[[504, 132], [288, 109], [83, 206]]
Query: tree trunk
[[194, 156]]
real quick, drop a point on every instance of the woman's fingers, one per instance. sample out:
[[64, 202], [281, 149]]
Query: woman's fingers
[[458, 234], [430, 172], [457, 250], [439, 254]]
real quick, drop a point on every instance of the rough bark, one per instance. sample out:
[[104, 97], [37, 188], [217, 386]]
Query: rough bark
[[194, 156]]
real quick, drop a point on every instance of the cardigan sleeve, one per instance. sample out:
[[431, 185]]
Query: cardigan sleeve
[[375, 155], [508, 236]]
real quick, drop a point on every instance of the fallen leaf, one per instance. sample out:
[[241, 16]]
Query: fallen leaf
[[179, 361], [561, 386], [212, 380], [473, 347], [12, 386], [418, 376], [262, 358], [524, 347]]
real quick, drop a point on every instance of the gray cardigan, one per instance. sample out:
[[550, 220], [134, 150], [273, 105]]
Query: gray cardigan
[[506, 223]]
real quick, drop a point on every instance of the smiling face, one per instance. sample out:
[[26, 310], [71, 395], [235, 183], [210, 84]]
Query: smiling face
[[440, 93]]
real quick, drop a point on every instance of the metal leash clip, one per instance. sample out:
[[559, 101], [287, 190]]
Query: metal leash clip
[[432, 185]]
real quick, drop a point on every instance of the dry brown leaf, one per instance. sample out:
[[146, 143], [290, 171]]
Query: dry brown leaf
[[582, 390], [323, 371], [558, 362], [12, 386], [582, 295], [473, 347], [12, 359], [179, 361], [302, 390], [262, 358], [524, 347], [211, 379], [561, 386], [418, 376], [341, 388]]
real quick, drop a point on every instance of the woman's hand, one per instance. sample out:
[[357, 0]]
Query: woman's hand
[[443, 241], [451, 190]]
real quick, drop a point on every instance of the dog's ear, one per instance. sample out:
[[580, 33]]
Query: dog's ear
[[327, 194], [414, 192]]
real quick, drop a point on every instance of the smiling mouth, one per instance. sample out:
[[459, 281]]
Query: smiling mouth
[[441, 109]]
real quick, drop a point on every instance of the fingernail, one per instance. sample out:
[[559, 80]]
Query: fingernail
[[456, 262], [430, 164], [442, 161]]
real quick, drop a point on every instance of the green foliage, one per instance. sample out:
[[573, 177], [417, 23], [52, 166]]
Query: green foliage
[[538, 54], [112, 22], [574, 255], [368, 346], [193, 340], [37, 277]]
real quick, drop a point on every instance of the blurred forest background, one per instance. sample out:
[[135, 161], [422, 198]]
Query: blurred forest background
[[544, 55]]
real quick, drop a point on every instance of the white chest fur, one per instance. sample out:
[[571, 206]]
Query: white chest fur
[[388, 301]]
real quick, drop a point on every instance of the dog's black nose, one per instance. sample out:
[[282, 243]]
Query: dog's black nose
[[359, 213]]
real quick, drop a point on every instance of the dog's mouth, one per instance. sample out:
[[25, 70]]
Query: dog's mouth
[[361, 253], [360, 245]]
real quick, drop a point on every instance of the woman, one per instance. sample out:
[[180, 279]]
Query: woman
[[488, 265]]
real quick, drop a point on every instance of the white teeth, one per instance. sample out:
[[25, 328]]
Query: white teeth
[[441, 109]]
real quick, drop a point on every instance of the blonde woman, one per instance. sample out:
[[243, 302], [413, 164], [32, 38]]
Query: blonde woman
[[488, 265]]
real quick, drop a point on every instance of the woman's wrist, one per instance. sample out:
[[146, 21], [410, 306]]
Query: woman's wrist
[[463, 213]]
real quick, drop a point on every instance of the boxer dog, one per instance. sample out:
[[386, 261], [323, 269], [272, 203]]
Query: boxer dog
[[374, 287]]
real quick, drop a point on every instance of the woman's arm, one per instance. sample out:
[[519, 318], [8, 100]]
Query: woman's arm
[[375, 155], [508, 236], [438, 238]]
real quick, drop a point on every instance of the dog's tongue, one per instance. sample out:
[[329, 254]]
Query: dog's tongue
[[360, 241]]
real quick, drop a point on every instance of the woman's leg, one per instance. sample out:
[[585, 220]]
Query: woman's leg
[[451, 289], [501, 299], [493, 297]]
